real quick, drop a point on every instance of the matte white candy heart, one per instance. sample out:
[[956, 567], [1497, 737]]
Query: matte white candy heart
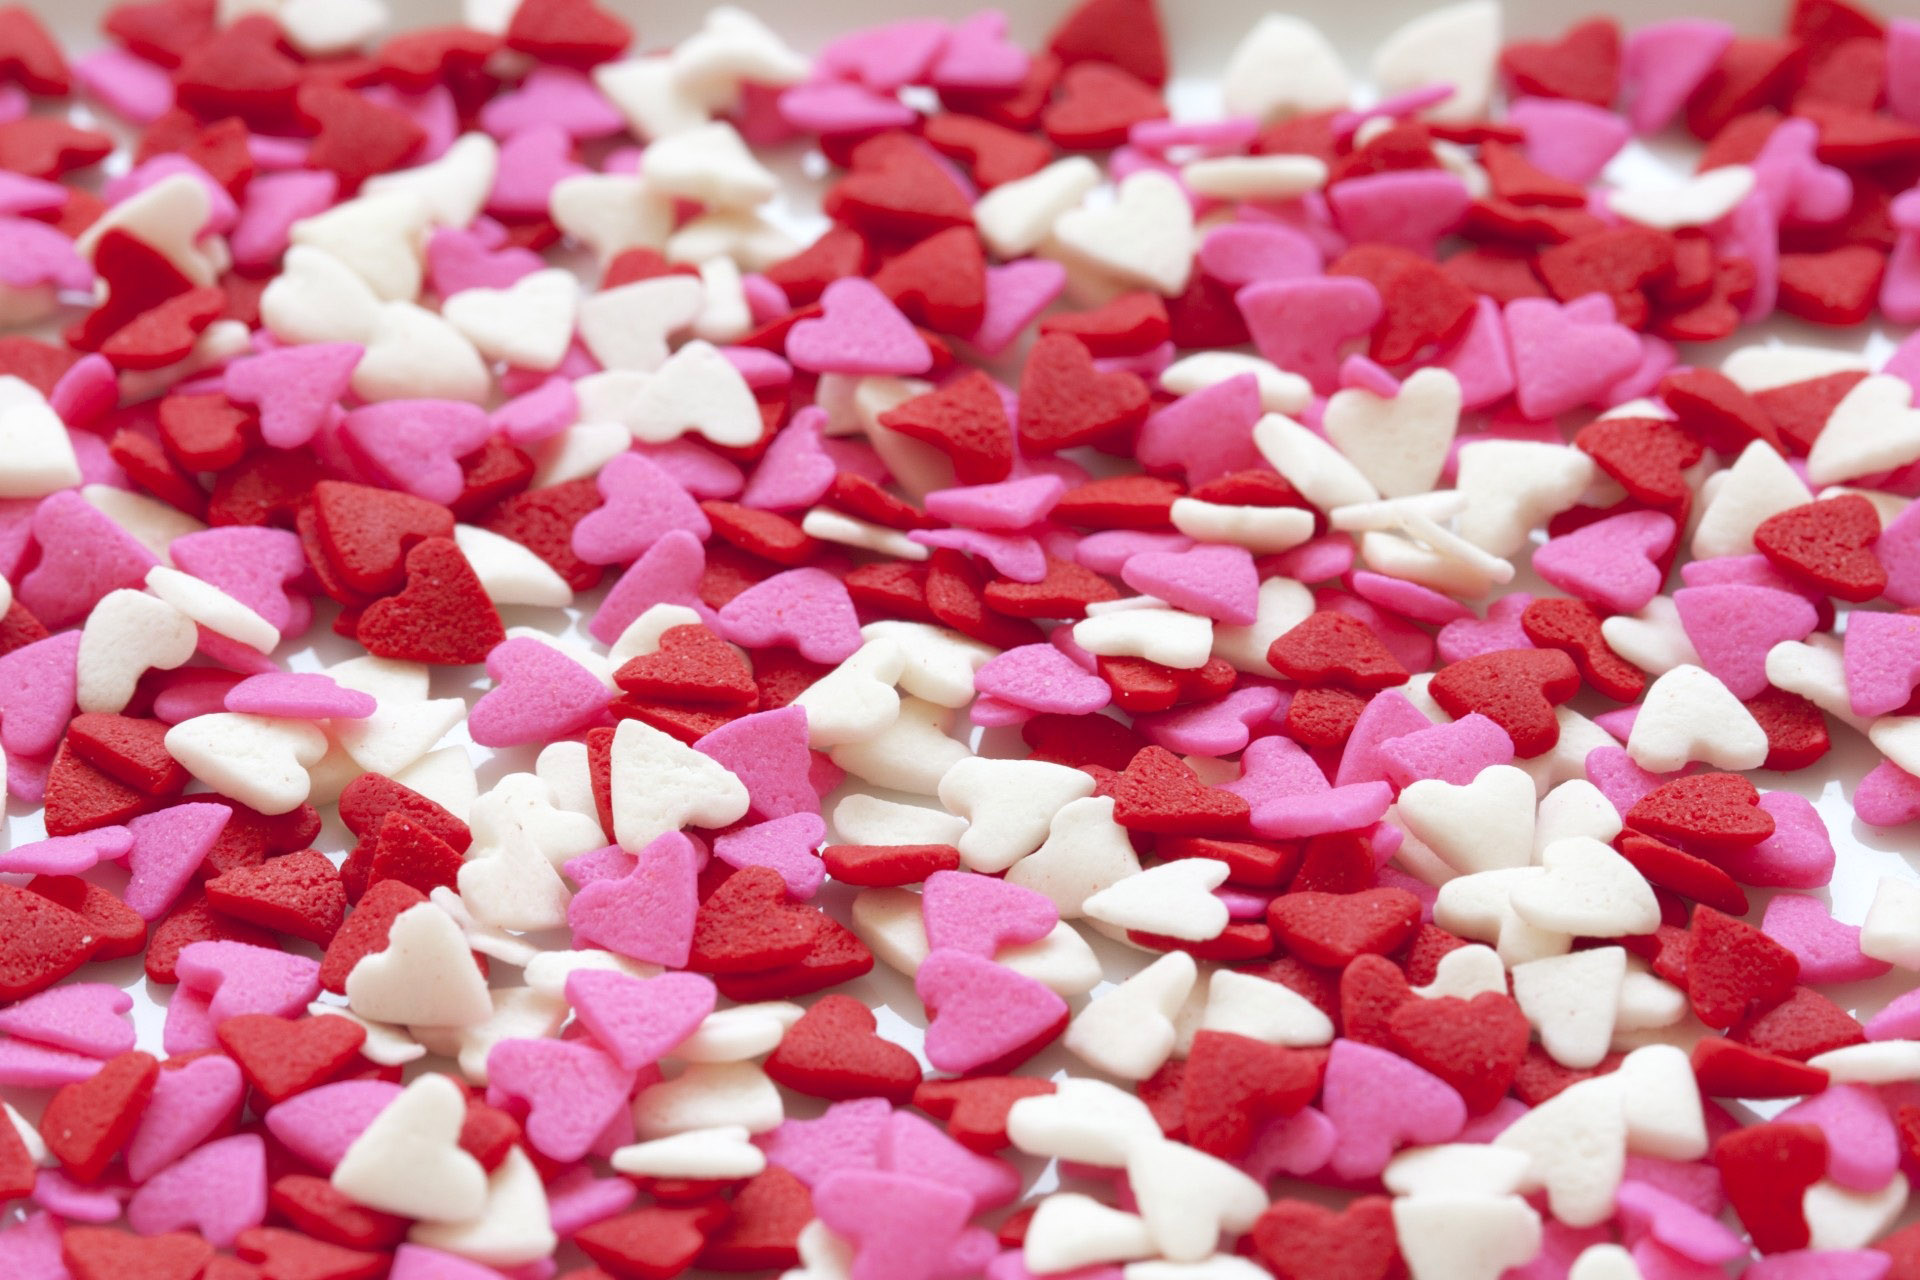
[[749, 237], [708, 1095], [1084, 1120], [203, 603], [168, 217], [1764, 366], [1261, 530], [1699, 201], [1588, 890], [1145, 238], [1170, 637], [1221, 1266], [424, 977], [1647, 1002], [1434, 557], [611, 213], [260, 761], [1459, 1168], [1128, 1032], [1653, 639], [547, 972], [404, 726], [725, 315], [1015, 218], [1270, 1012], [912, 754], [514, 1229], [413, 354], [1280, 391], [455, 186], [1189, 1199], [1841, 1219], [1875, 428], [384, 1046], [1323, 475], [325, 28], [1514, 486], [661, 784], [709, 165], [1758, 485], [939, 662], [738, 1034], [501, 945], [1571, 1001], [829, 525], [1451, 1237], [1456, 46], [1689, 715], [733, 47], [528, 324], [1661, 1102], [381, 236], [409, 1161], [1174, 899], [1482, 826], [647, 93], [1881, 1062], [1578, 1141], [445, 777], [1898, 739], [1010, 806], [128, 634], [857, 699], [1466, 972], [722, 1153], [513, 886], [33, 440], [150, 522], [627, 327], [1283, 604], [509, 573], [860, 818], [318, 298], [1604, 1262], [1069, 1231], [1399, 442], [1479, 906], [697, 390], [1891, 931], [1816, 670], [1574, 808], [1283, 67], [1085, 852], [1279, 177]]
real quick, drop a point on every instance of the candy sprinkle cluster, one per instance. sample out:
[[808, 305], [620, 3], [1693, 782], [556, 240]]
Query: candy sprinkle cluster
[[1086, 579]]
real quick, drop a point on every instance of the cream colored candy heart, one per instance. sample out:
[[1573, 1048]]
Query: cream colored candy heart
[[423, 977], [708, 165], [697, 390], [471, 1043], [547, 972], [1647, 1002], [725, 315], [414, 354], [1759, 484], [610, 213], [128, 634], [892, 924], [647, 93], [1174, 899], [1578, 1142], [1874, 428], [445, 777], [1457, 46], [708, 1095], [381, 237], [1085, 852], [1264, 531], [829, 525], [857, 699], [513, 886], [1084, 1120], [719, 1153], [1838, 1218], [404, 726], [1386, 514], [859, 818], [823, 1255], [203, 603], [1571, 1001], [1575, 808], [528, 324], [408, 1161], [627, 327], [733, 47], [1700, 201], [1221, 1266], [1277, 177], [1009, 806], [168, 218], [149, 521], [939, 662], [1069, 1231], [1466, 972], [318, 298], [1399, 442], [1281, 68], [1588, 890], [1514, 486], [1765, 366], [455, 186], [1170, 637], [509, 573], [1652, 639], [1688, 715], [1481, 826], [751, 238], [1015, 218], [1323, 475], [515, 1227], [1604, 1262], [1458, 1168], [1816, 670], [327, 28], [1898, 739], [258, 760], [661, 784], [1189, 1200], [912, 754], [385, 1046], [1282, 605], [738, 1034], [38, 453], [1891, 931], [1128, 1031], [1144, 239], [1456, 1237], [1280, 391], [1881, 1062], [1480, 906], [1661, 1102], [1251, 1006]]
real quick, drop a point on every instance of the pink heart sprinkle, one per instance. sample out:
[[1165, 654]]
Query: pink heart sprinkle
[[1677, 1225], [131, 87], [87, 392], [1215, 581], [1888, 796], [533, 162], [1610, 563], [1828, 950], [641, 505], [1207, 433], [1566, 139], [700, 471], [1379, 1102], [786, 844], [1881, 657], [31, 1066], [1733, 627], [571, 1090], [768, 752], [539, 695], [980, 914], [253, 564], [83, 555], [1387, 715], [805, 609], [299, 695], [847, 1135], [416, 445], [190, 1102], [668, 573], [916, 1146], [1663, 63], [1014, 556], [34, 254], [1218, 728], [1319, 559], [540, 414], [648, 914], [168, 847], [192, 691], [1017, 292], [1302, 325], [796, 471], [86, 1017], [832, 107], [1038, 677], [1621, 780], [858, 332], [296, 389], [979, 58], [1004, 506], [21, 195], [242, 978], [1562, 360], [1410, 208], [886, 57], [552, 96], [1863, 1151], [1240, 253], [220, 1190], [1481, 360], [1292, 797], [417, 1262], [577, 1200], [461, 260], [1297, 1146], [68, 855], [274, 202], [320, 1124], [31, 1250], [639, 1020], [981, 1012], [61, 1196]]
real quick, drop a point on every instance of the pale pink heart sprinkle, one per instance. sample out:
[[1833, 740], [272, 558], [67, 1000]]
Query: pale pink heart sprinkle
[[1217, 582], [887, 57], [193, 691], [1828, 950], [1379, 1102], [1888, 796], [189, 1103], [1109, 549], [642, 504], [829, 107], [1207, 433], [668, 572], [1003, 506], [297, 388], [1566, 139], [539, 414], [647, 915], [1017, 292], [979, 1011], [1733, 628], [253, 564], [31, 1066], [796, 471], [639, 1020], [30, 1250], [700, 471], [462, 260], [1219, 728], [417, 1262], [1481, 361], [1295, 1146], [533, 161], [539, 695], [1663, 63], [299, 695], [83, 556], [1039, 677], [87, 392], [1304, 325], [416, 445], [787, 845], [238, 977], [320, 1124], [978, 57], [67, 855], [1412, 209], [767, 751], [131, 87], [1677, 1225], [1011, 555], [1863, 1150], [219, 1190], [858, 332], [20, 194], [1320, 559], [1291, 797], [34, 254], [1564, 357], [552, 96], [847, 1135], [1240, 253], [576, 1200], [1610, 563], [914, 1145], [990, 712], [805, 609], [1408, 599], [168, 847], [1455, 752], [1500, 629], [1881, 658], [63, 1197], [572, 1091], [980, 914], [1387, 715]]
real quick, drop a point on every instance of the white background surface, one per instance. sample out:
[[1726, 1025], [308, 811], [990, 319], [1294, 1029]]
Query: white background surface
[[1201, 33]]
